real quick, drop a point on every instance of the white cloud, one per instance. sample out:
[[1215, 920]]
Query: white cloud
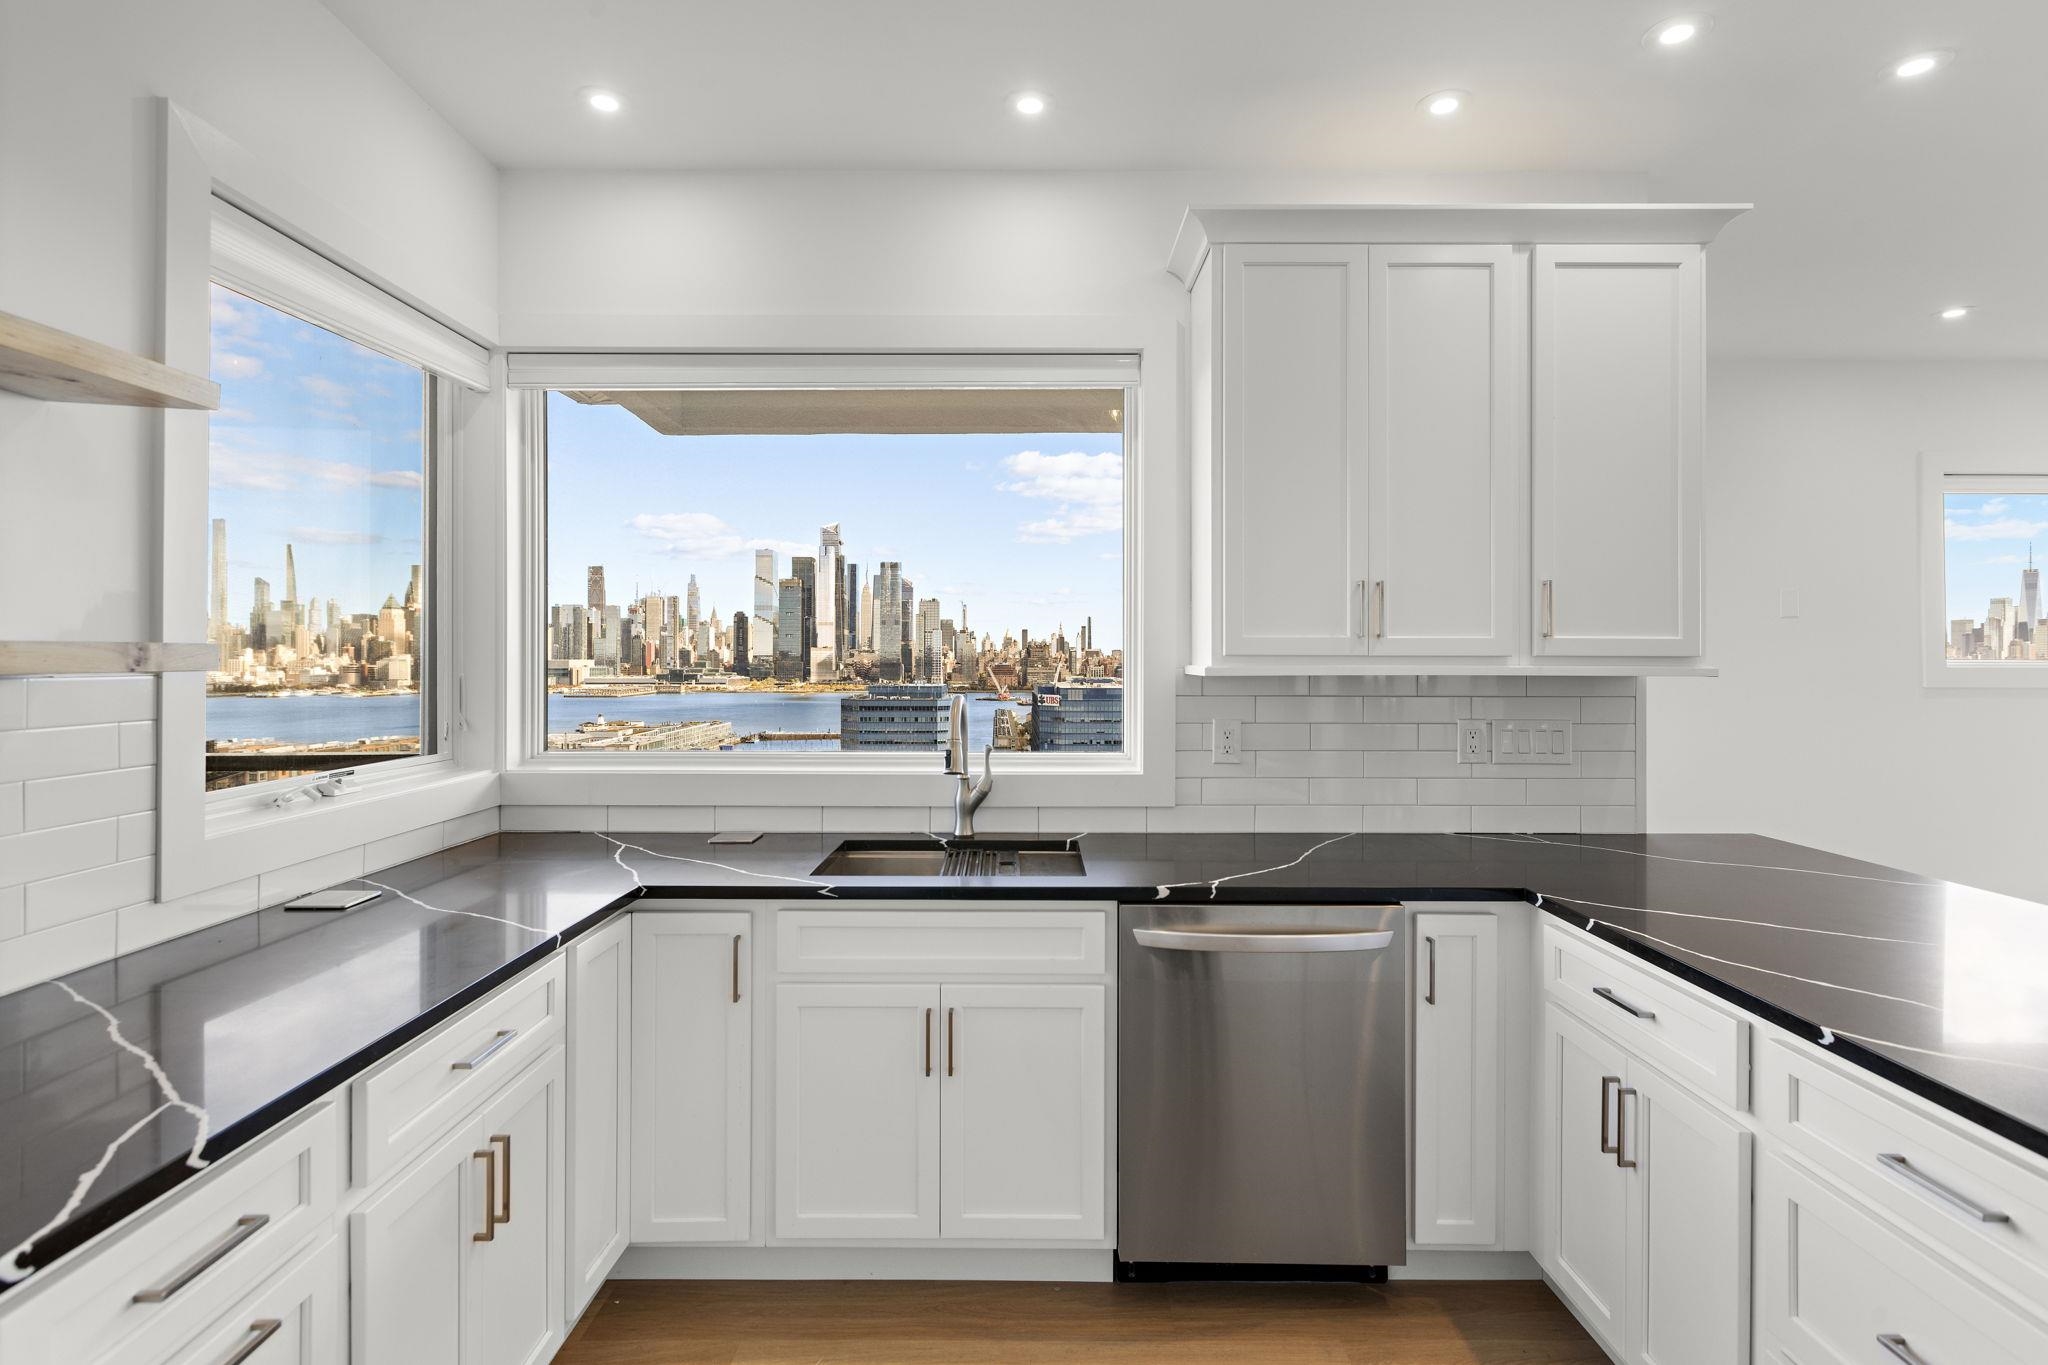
[[702, 535], [274, 472], [234, 365], [1088, 491], [233, 415], [326, 391], [2006, 528], [1996, 507], [320, 535]]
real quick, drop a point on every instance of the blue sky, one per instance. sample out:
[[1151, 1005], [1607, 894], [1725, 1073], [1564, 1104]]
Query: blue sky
[[317, 444], [1987, 536], [1026, 528]]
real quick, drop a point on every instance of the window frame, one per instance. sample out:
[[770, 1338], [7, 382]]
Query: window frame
[[1941, 474], [1140, 775]]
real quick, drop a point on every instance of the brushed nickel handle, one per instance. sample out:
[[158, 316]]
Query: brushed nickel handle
[[1266, 940], [503, 1141], [1627, 1163], [1363, 609], [1611, 998], [1549, 609], [1896, 1344], [735, 969], [260, 1331], [1607, 1142], [927, 1040], [1429, 997], [1379, 608], [247, 1226], [489, 1156], [949, 1040], [491, 1049], [1899, 1166]]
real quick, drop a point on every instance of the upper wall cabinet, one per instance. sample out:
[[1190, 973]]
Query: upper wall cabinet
[[1460, 438]]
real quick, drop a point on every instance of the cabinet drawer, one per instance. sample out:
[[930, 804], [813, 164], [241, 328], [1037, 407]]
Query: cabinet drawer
[[425, 1090], [160, 1282], [1702, 1043], [295, 1318], [1834, 1281], [941, 942], [1935, 1180]]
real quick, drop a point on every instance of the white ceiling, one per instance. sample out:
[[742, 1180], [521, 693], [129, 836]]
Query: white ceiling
[[1878, 200]]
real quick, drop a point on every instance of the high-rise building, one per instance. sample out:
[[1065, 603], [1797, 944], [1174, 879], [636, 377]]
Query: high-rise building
[[890, 636], [291, 578], [931, 650], [827, 646], [259, 615], [804, 568], [217, 615], [655, 627], [741, 645], [593, 589], [790, 663], [1080, 714], [694, 606], [762, 633], [2030, 592], [849, 614], [894, 716]]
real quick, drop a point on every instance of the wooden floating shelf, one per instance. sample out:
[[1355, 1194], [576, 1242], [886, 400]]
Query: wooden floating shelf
[[43, 362], [37, 658]]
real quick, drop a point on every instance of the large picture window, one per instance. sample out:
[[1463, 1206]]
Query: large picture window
[[1985, 620], [776, 568]]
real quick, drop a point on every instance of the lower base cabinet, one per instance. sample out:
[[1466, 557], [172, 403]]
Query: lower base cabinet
[[295, 1318], [458, 1259]]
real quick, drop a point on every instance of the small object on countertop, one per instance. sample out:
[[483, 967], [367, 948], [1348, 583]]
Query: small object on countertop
[[735, 836], [338, 898]]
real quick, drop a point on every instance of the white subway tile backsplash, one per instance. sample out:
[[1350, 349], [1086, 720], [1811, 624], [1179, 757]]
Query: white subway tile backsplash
[[661, 820], [1583, 791], [12, 912], [1266, 735], [1617, 710], [13, 703], [1607, 820], [1414, 763], [1254, 687], [138, 743], [1361, 737], [54, 702], [1331, 819], [30, 754], [50, 801], [289, 883], [463, 828], [401, 848], [40, 853], [1091, 820], [135, 835], [1472, 687], [1310, 708], [1608, 763], [1192, 819], [1525, 708], [1471, 791], [1363, 687], [1417, 819], [1525, 819], [1363, 791], [60, 900], [39, 956], [1254, 791], [1216, 708], [1309, 763], [1402, 709], [10, 808], [1590, 737]]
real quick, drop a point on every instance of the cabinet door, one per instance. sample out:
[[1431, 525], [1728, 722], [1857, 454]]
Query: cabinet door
[[1292, 488], [1457, 1080], [409, 1248], [1442, 448], [692, 1082], [857, 1111], [1585, 1191], [600, 1093], [1618, 381], [1689, 1207], [515, 1281], [1021, 1114], [294, 1319]]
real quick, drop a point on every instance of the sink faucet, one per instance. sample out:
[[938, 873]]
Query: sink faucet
[[967, 798]]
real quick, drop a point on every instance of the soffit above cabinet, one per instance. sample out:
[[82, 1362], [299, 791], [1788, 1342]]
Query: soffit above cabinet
[[1548, 224]]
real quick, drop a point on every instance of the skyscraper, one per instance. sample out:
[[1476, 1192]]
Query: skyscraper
[[789, 629], [2030, 591], [291, 577], [762, 635], [931, 655], [829, 648], [694, 607], [741, 645], [889, 637], [593, 592], [217, 616], [804, 568]]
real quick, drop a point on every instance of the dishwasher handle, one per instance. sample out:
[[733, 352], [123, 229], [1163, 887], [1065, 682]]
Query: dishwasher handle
[[1266, 940]]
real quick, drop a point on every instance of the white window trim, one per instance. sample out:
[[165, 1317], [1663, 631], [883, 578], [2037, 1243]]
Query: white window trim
[[883, 351], [1944, 473], [225, 848]]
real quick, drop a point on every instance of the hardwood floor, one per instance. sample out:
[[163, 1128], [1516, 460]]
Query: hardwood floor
[[869, 1322]]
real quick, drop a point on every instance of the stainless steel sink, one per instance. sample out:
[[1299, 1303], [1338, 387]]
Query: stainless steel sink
[[962, 858]]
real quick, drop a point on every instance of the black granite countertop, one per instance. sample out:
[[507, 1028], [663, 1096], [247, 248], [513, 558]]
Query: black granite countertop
[[1939, 987]]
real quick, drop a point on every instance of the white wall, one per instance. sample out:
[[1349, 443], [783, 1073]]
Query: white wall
[[1818, 729]]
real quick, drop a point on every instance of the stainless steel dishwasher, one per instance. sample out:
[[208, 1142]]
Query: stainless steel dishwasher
[[1262, 1091]]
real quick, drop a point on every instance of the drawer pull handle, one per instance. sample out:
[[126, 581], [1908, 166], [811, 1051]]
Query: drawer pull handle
[[1896, 1344], [1430, 997], [949, 1040], [1549, 610], [1607, 1142], [1899, 1166], [927, 1041], [260, 1331], [736, 969], [1611, 998], [1379, 609], [1627, 1163], [489, 1156], [247, 1226], [491, 1049]]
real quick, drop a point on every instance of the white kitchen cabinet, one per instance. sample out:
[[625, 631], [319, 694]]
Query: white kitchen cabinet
[[1585, 1191], [1617, 401], [857, 1110], [692, 1078], [1444, 445], [599, 1167], [458, 1258], [296, 1318], [1021, 1148], [1457, 1079]]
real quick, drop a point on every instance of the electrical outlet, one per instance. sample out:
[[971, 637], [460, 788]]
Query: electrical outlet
[[1472, 741], [1229, 741]]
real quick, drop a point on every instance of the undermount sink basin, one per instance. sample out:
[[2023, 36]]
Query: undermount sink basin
[[965, 858]]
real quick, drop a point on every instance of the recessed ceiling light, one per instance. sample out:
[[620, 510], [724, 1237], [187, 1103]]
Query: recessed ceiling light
[[1443, 103], [604, 101], [1921, 63], [1030, 104], [1678, 32], [1955, 312]]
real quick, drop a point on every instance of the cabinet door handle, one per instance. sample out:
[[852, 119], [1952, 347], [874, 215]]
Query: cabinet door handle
[[260, 1331], [927, 1041], [1429, 997], [1549, 609], [1896, 1344], [1906, 1170], [247, 1226], [949, 1040], [1611, 998], [1379, 608], [490, 1050], [735, 969], [503, 1141], [1607, 1142], [1358, 589], [1627, 1163], [489, 1156]]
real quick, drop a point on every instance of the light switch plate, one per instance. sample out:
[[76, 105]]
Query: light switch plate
[[1532, 741]]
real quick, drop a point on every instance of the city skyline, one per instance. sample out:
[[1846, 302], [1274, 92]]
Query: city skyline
[[1028, 529], [1989, 563]]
